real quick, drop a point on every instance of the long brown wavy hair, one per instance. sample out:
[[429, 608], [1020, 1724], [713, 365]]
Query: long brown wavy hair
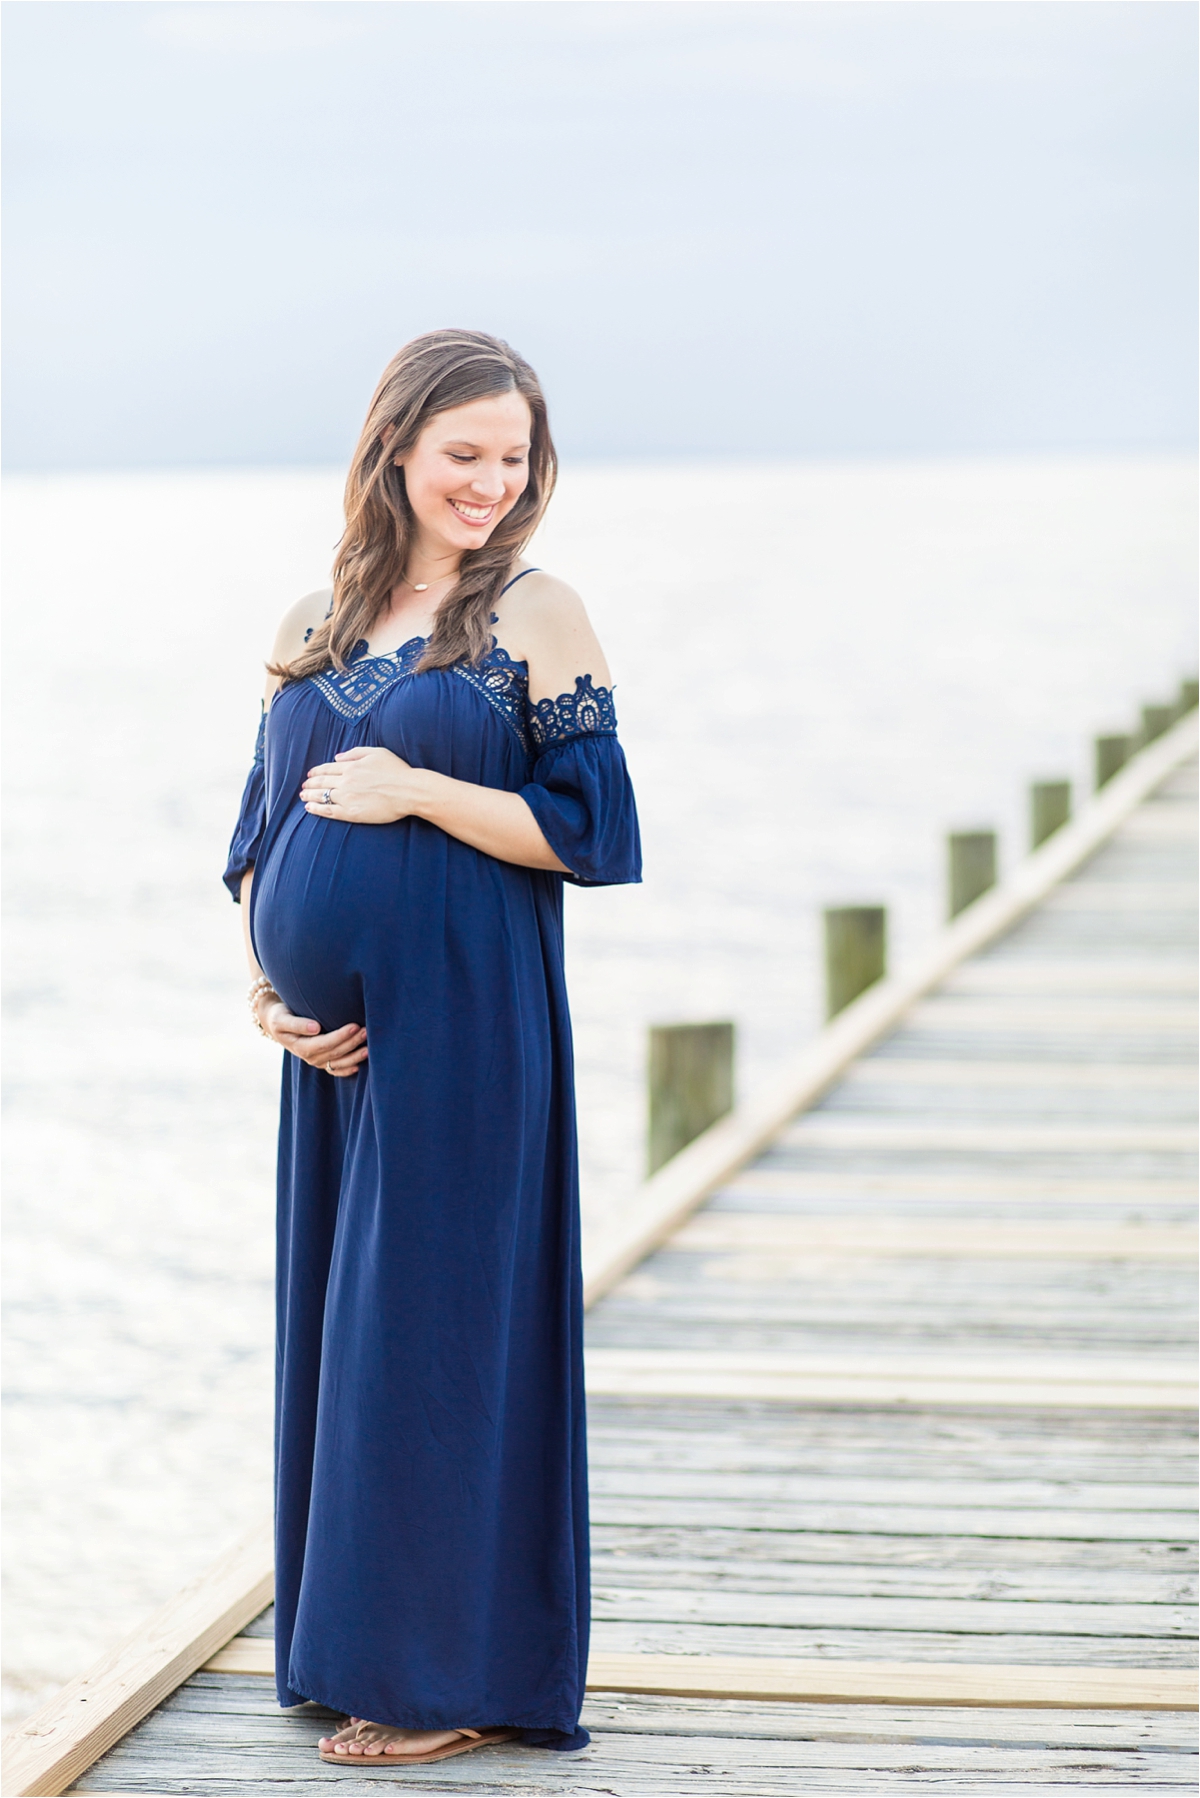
[[431, 374]]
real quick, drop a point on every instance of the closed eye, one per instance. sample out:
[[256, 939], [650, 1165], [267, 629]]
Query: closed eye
[[517, 461]]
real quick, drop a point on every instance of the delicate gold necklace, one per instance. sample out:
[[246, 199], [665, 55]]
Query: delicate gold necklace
[[423, 586]]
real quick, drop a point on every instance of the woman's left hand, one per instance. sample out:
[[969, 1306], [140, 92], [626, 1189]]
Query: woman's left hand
[[364, 786]]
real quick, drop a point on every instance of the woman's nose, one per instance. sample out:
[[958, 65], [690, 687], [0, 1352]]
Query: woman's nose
[[488, 483]]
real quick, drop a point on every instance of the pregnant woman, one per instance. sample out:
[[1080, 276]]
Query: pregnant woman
[[438, 755]]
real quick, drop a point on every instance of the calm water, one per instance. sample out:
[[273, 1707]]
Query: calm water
[[820, 670]]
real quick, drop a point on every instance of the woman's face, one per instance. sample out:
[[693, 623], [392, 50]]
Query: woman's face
[[467, 469]]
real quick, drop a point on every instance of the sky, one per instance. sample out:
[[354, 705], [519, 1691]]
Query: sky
[[731, 230]]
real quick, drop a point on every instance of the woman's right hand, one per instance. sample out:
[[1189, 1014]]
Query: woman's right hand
[[338, 1052]]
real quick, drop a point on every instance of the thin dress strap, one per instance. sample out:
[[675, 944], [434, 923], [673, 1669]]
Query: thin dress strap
[[518, 577]]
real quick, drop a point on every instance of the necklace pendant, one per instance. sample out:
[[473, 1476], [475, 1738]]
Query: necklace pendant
[[420, 586]]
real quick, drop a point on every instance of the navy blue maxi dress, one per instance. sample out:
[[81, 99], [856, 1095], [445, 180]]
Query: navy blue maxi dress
[[431, 1486]]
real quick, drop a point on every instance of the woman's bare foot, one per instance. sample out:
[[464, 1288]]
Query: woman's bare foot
[[358, 1738]]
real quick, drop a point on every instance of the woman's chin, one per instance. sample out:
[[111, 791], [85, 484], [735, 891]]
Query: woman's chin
[[457, 539]]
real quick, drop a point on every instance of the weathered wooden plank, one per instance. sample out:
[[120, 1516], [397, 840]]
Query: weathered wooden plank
[[647, 1450], [710, 1232], [1123, 896], [245, 1695], [1113, 1688], [637, 1443], [1089, 1076], [56, 1744], [794, 1486], [748, 1456], [990, 1560], [684, 1329], [639, 1762], [1044, 1584], [838, 1130], [957, 1380], [989, 1279], [723, 1676], [245, 1654], [833, 1390], [1032, 1104], [649, 1507], [795, 1315], [1012, 974], [945, 1034], [839, 1305], [888, 1429], [841, 1610], [767, 1181], [692, 1768], [993, 1016], [1045, 1727], [898, 1647]]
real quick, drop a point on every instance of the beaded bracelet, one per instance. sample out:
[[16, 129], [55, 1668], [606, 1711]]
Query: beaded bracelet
[[261, 985]]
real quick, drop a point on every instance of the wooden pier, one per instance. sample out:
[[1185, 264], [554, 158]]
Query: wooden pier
[[891, 1437]]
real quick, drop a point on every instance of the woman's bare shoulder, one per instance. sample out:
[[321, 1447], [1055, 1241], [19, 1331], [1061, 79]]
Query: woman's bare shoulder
[[543, 621], [298, 621], [541, 607], [297, 624]]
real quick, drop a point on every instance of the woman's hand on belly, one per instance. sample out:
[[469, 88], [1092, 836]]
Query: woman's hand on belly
[[373, 786], [339, 1052], [364, 786]]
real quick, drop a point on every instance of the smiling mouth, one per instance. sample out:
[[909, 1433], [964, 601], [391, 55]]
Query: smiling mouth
[[472, 514]]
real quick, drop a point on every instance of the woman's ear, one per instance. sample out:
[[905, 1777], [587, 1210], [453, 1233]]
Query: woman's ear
[[386, 433]]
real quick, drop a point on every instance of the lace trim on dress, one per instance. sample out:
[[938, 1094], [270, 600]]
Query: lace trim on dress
[[588, 711], [498, 679], [504, 684], [365, 679], [260, 741]]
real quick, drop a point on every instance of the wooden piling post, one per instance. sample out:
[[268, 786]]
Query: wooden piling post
[[1189, 698], [855, 952], [1112, 753], [1156, 722], [691, 1084], [1049, 809], [972, 867]]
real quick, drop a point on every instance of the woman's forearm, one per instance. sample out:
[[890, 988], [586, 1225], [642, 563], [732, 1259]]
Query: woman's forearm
[[371, 785], [499, 823]]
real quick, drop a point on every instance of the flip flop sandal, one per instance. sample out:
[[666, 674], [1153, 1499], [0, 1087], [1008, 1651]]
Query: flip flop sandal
[[473, 1738]]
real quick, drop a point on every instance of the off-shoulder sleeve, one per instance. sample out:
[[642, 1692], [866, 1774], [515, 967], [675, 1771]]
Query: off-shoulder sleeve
[[580, 791], [247, 835]]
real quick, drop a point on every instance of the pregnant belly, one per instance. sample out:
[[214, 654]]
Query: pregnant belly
[[326, 909], [410, 932]]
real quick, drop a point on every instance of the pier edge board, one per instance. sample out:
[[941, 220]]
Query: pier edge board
[[54, 1747]]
